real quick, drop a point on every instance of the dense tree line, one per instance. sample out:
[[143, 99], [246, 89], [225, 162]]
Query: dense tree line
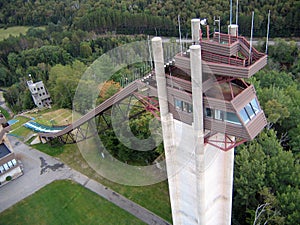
[[145, 15], [267, 169], [102, 21]]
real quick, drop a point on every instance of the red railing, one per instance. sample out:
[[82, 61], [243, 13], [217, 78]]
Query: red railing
[[211, 57]]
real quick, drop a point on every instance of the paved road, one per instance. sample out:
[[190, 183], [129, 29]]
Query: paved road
[[41, 169], [3, 105]]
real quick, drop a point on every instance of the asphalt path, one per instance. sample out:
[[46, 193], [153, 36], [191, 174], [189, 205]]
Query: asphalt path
[[41, 169], [3, 105]]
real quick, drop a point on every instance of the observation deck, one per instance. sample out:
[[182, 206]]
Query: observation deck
[[230, 104], [226, 55]]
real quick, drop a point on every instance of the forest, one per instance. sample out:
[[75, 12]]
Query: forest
[[150, 16], [67, 36]]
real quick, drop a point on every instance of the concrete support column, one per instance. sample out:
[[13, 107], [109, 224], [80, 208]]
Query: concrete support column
[[168, 129], [196, 74], [158, 58], [195, 30]]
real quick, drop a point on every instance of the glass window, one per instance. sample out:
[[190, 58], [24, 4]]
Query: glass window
[[255, 105], [2, 169], [208, 112], [5, 166], [250, 111], [187, 107], [10, 164], [232, 118], [14, 162], [219, 115], [178, 104], [243, 114], [190, 108]]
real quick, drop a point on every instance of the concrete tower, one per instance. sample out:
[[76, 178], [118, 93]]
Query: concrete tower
[[198, 191], [197, 122]]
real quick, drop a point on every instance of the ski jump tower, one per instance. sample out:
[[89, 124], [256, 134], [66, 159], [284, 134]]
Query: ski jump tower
[[206, 110]]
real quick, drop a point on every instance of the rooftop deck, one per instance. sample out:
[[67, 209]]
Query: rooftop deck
[[227, 56]]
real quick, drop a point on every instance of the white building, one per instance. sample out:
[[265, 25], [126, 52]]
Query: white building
[[10, 168], [39, 94]]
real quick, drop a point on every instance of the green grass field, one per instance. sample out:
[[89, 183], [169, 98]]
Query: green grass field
[[153, 197], [52, 116], [14, 31], [65, 202], [19, 130]]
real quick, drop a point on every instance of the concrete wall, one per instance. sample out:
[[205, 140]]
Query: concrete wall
[[199, 176], [183, 181]]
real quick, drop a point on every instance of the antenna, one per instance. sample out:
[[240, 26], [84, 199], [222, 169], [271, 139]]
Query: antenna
[[237, 12], [250, 50], [179, 34], [230, 12], [268, 31]]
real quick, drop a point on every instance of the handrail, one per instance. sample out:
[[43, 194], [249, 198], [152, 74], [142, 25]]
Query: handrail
[[212, 57]]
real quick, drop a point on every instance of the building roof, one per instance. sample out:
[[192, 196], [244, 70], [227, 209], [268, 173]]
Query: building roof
[[4, 150]]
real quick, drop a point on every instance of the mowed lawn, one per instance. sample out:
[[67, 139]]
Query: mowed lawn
[[153, 197], [65, 202], [51, 117], [14, 31]]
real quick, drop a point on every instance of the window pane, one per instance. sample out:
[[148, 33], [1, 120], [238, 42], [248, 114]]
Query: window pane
[[219, 114], [6, 166], [250, 111], [190, 108], [10, 164], [178, 104], [185, 106], [255, 105], [244, 116], [232, 118], [2, 169], [14, 162], [208, 112]]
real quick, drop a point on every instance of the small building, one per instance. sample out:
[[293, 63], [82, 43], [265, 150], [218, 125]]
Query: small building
[[10, 167], [39, 93]]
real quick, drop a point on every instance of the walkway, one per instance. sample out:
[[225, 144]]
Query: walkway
[[41, 169], [3, 104]]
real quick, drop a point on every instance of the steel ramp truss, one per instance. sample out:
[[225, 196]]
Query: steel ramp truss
[[126, 109]]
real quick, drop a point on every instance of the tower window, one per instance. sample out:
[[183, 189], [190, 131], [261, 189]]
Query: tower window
[[208, 112], [222, 115], [249, 111], [183, 106]]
